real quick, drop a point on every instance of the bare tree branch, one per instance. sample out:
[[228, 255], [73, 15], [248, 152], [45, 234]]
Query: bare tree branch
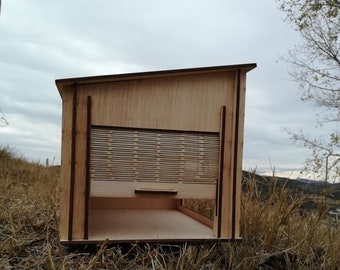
[[3, 121], [316, 67]]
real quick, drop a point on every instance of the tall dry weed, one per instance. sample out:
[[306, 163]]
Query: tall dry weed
[[277, 236], [274, 234], [28, 216]]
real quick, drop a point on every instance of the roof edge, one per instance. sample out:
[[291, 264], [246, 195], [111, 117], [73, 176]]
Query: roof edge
[[151, 74]]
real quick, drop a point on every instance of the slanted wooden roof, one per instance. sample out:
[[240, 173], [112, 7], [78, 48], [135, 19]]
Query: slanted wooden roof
[[62, 83]]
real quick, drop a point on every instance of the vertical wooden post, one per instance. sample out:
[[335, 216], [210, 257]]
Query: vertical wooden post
[[219, 200], [88, 176], [231, 164], [237, 185], [79, 194], [73, 160], [65, 172], [236, 153]]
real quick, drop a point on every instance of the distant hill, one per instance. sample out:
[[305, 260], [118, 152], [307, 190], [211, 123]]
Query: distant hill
[[332, 191]]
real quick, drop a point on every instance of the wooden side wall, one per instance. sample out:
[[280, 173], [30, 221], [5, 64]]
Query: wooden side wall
[[78, 229], [73, 169], [229, 215], [238, 172], [65, 175]]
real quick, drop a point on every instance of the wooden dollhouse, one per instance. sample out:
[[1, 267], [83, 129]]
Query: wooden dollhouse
[[134, 146]]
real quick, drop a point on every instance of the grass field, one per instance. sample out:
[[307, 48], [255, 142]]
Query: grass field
[[275, 234]]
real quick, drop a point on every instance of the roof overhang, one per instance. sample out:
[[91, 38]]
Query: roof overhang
[[65, 83]]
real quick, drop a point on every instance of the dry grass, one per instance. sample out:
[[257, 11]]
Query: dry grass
[[275, 236]]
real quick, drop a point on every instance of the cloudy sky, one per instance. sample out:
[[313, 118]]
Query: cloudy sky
[[41, 41]]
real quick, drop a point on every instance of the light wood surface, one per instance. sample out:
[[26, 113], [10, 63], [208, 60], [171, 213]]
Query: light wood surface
[[174, 103], [80, 169], [225, 215], [204, 220], [62, 83], [132, 203], [143, 224], [238, 171], [65, 162], [127, 189]]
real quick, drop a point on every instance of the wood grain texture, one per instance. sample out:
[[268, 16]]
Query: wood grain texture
[[64, 83], [144, 224], [65, 164], [80, 168], [225, 214], [196, 216], [88, 157], [131, 203], [238, 171], [177, 103], [127, 189], [232, 170]]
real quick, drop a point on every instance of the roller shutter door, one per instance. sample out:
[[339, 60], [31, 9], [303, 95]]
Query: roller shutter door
[[146, 155]]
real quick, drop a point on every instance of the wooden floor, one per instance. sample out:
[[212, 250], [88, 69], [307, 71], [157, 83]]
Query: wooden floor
[[144, 224]]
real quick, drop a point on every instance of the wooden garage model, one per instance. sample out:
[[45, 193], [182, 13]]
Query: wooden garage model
[[134, 146]]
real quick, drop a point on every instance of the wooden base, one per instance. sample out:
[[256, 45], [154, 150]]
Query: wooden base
[[121, 225]]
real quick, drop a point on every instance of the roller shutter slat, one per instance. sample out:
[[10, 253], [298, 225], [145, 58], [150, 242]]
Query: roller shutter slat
[[121, 154]]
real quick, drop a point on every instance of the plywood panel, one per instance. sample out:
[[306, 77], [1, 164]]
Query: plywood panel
[[238, 172], [65, 164], [61, 83], [127, 189], [131, 203], [80, 169], [132, 225], [178, 103], [225, 215], [200, 218]]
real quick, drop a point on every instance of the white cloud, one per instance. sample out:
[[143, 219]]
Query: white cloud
[[34, 138], [46, 40]]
